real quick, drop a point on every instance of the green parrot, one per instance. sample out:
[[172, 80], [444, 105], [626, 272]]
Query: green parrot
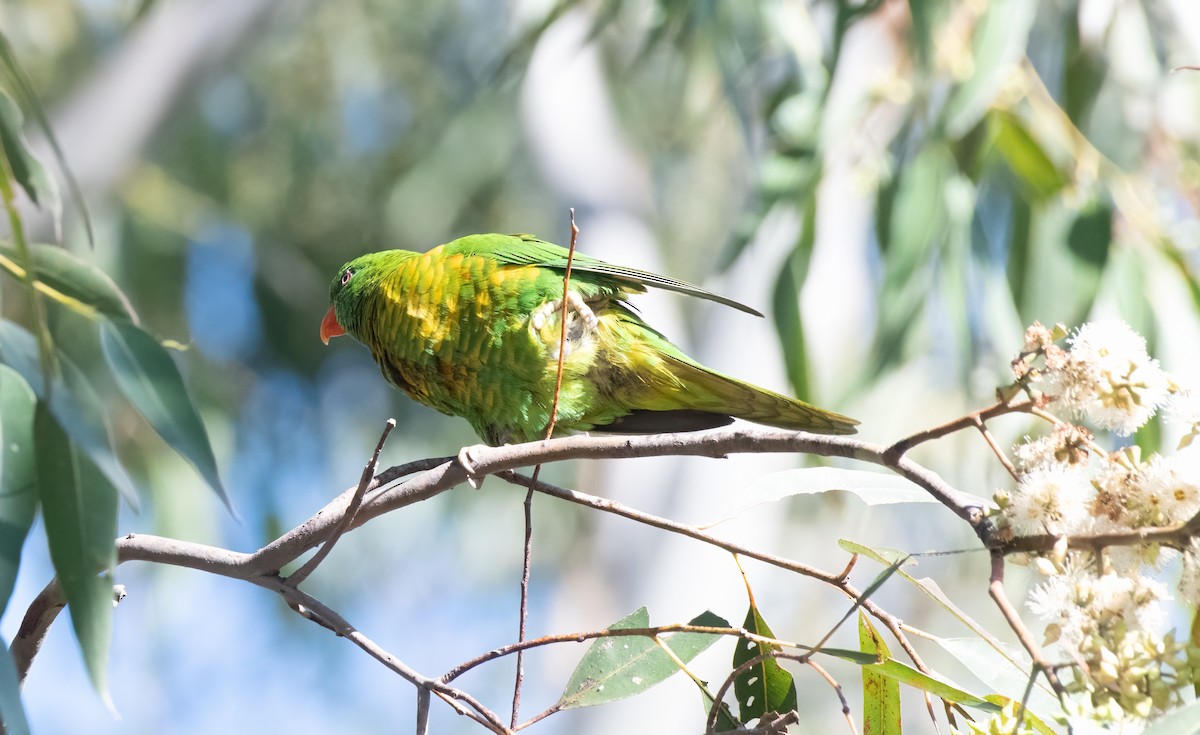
[[472, 328]]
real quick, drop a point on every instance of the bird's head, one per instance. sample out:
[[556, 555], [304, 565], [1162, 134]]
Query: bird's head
[[354, 283]]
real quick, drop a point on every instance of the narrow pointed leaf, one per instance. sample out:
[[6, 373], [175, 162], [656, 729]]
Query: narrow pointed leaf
[[881, 695], [65, 276], [73, 402], [12, 712], [28, 96], [29, 173], [18, 475], [765, 686], [80, 510], [906, 674], [999, 672], [151, 381], [1031, 720], [621, 666]]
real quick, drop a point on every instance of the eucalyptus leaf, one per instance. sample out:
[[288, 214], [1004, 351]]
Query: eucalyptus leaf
[[73, 402], [616, 667], [905, 674], [25, 167], [70, 278], [18, 475], [1029, 718], [151, 381], [79, 507], [1006, 673], [881, 695], [765, 686], [997, 44]]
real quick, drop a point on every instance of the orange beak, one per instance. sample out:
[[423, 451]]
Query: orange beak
[[330, 326]]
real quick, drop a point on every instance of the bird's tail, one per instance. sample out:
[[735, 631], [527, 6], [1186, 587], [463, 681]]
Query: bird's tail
[[712, 392]]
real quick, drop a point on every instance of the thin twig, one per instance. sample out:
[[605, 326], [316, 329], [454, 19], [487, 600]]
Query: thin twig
[[527, 562], [996, 448], [364, 483], [975, 418], [837, 688]]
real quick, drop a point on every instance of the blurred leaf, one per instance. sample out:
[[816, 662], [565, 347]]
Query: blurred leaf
[[1084, 72], [29, 98], [1025, 156], [785, 300], [998, 42], [12, 712], [917, 229], [1007, 674], [1183, 721], [80, 511], [881, 695], [26, 169], [1091, 234], [926, 14], [617, 667], [884, 556], [765, 686], [18, 476], [73, 402], [151, 381], [66, 275]]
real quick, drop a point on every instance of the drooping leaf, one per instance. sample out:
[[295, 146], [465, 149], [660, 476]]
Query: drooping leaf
[[79, 506], [28, 97], [725, 720], [66, 277], [151, 381], [881, 695], [998, 43], [766, 686], [73, 402], [785, 301], [18, 475], [12, 712], [29, 173], [1025, 157], [617, 667]]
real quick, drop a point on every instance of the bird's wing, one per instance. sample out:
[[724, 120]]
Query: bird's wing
[[529, 250]]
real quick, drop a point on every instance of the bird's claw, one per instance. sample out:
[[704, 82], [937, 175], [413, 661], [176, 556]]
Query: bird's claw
[[474, 479]]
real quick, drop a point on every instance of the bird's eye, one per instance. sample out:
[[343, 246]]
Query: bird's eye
[[346, 276]]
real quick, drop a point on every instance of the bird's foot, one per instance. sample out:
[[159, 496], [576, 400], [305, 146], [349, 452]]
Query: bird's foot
[[474, 479], [590, 322]]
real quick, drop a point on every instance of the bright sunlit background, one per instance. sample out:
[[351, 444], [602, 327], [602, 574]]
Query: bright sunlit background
[[899, 186]]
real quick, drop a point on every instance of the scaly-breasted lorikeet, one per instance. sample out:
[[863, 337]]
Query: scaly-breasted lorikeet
[[471, 328]]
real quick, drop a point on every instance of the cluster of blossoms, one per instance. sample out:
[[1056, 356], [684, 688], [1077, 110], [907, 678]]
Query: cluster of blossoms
[[1103, 606]]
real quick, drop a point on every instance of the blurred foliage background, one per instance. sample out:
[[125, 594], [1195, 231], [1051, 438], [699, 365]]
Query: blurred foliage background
[[901, 186]]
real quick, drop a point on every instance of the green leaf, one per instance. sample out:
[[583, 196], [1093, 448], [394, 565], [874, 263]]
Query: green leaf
[[151, 381], [12, 713], [785, 301], [18, 475], [71, 277], [1025, 156], [765, 686], [73, 402], [1183, 721], [616, 667], [725, 720], [881, 695], [80, 511], [997, 43], [26, 169], [28, 97], [906, 674]]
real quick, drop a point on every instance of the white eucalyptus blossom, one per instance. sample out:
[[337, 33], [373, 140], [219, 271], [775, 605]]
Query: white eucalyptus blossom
[[1052, 498]]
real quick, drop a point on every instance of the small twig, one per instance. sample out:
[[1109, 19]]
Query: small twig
[[998, 595], [975, 418], [527, 563], [365, 483], [996, 448]]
